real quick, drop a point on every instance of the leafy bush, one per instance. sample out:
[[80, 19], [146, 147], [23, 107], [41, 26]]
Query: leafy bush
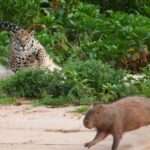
[[93, 76], [83, 35], [55, 102], [94, 73], [128, 5], [7, 100], [33, 83], [22, 12], [130, 31], [144, 83], [80, 83], [140, 6], [4, 48]]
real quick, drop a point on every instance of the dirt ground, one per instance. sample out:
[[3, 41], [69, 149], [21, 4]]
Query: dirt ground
[[28, 128]]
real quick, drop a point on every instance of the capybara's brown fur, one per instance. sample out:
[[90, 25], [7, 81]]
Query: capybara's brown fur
[[126, 114]]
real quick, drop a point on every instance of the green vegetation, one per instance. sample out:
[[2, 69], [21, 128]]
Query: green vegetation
[[78, 83], [4, 48], [7, 100], [96, 45], [22, 12], [82, 109]]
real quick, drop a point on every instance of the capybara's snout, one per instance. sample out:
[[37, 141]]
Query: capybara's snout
[[88, 121]]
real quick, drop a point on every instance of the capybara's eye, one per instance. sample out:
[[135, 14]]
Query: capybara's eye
[[85, 121], [97, 112]]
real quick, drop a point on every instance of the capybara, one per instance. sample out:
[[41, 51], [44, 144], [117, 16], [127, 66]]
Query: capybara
[[124, 115]]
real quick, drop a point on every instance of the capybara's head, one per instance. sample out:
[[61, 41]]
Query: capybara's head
[[93, 116]]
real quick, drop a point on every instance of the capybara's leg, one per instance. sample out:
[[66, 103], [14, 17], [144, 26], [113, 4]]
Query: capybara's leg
[[116, 141], [99, 137]]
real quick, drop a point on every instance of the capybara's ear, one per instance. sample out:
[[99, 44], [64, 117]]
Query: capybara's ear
[[91, 106], [97, 104]]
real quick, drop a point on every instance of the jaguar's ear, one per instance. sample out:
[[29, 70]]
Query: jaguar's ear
[[13, 34], [32, 33]]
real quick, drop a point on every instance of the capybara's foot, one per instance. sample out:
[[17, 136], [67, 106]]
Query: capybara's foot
[[88, 145]]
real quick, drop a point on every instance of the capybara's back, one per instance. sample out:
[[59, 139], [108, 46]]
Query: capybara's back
[[134, 111]]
